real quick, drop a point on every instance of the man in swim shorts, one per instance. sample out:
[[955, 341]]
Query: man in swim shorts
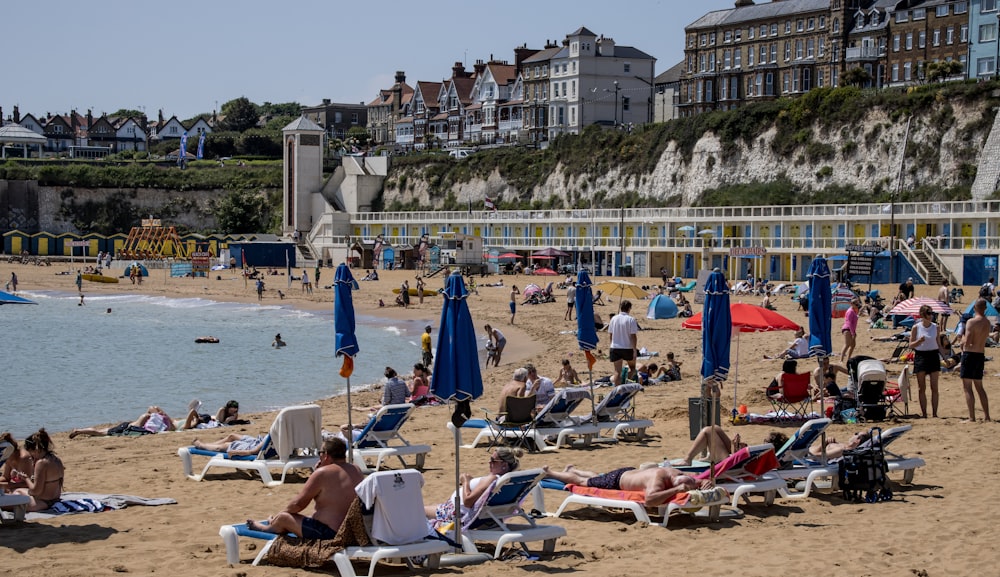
[[977, 329], [659, 484], [330, 486]]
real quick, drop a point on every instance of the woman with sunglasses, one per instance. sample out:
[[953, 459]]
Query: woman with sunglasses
[[503, 460], [926, 358]]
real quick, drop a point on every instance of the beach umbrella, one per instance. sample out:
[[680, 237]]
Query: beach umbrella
[[622, 289], [549, 252], [347, 342], [545, 272], [586, 331], [457, 377], [715, 340], [687, 228], [8, 299], [911, 307], [509, 255], [820, 321], [706, 231]]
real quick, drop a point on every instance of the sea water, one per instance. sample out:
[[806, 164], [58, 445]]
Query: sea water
[[67, 366]]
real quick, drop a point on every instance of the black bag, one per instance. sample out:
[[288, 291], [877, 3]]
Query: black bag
[[863, 473], [985, 292]]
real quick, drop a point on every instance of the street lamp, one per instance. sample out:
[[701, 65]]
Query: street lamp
[[616, 104]]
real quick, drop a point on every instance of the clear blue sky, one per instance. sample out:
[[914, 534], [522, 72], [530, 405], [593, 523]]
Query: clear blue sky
[[187, 56]]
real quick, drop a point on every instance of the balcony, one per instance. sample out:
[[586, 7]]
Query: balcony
[[864, 53]]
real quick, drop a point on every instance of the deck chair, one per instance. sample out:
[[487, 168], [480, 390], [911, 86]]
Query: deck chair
[[900, 354], [616, 412], [14, 508], [899, 391], [380, 439], [895, 461], [504, 502], [794, 396], [408, 510], [743, 473], [294, 442], [688, 287], [794, 461], [709, 503], [513, 425]]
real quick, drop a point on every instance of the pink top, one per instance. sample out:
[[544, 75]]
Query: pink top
[[850, 321]]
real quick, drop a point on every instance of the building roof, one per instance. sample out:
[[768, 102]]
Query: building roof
[[543, 55], [774, 10], [303, 124], [670, 75], [19, 134]]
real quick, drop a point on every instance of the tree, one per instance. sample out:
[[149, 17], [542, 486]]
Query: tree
[[239, 115], [293, 109], [359, 134], [938, 71], [258, 142], [241, 212], [127, 113], [856, 77]]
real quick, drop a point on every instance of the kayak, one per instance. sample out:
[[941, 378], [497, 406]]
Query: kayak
[[99, 278], [413, 292]]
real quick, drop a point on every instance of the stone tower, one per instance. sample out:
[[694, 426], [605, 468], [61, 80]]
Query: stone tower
[[303, 173]]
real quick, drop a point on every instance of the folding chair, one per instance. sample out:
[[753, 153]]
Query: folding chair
[[899, 391], [900, 353], [514, 424], [794, 396]]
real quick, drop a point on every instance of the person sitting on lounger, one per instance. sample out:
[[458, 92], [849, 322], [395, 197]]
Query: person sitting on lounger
[[659, 484], [234, 445], [154, 420], [503, 460], [835, 450], [331, 486]]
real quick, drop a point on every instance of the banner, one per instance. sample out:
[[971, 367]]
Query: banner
[[182, 151], [201, 146], [490, 205]]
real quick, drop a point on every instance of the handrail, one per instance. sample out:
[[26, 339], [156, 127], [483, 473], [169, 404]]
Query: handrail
[[931, 251], [911, 256]]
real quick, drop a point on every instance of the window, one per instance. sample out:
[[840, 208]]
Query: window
[[964, 31], [749, 91], [690, 62], [727, 59], [806, 80], [691, 41], [810, 48], [819, 78], [834, 75], [949, 35], [811, 24], [628, 67], [988, 6], [895, 72], [822, 22], [921, 39], [919, 13], [936, 37], [704, 40], [795, 81], [798, 49], [941, 11], [988, 32], [895, 43], [555, 90], [759, 84], [724, 90], [906, 71], [763, 54], [774, 52], [800, 25], [774, 29], [354, 118], [711, 39], [961, 7], [711, 62], [627, 102], [727, 37], [985, 66], [738, 35], [836, 25], [734, 87], [763, 30], [750, 54], [751, 31], [769, 84], [822, 47], [788, 26], [785, 82], [737, 54], [909, 40], [902, 16]]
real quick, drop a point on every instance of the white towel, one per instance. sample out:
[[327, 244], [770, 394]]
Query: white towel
[[298, 427]]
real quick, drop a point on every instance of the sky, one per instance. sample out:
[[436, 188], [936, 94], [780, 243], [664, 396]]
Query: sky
[[188, 57]]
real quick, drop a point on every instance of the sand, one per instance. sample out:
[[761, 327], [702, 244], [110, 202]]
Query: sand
[[941, 524]]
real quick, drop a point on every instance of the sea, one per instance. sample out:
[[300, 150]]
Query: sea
[[67, 366]]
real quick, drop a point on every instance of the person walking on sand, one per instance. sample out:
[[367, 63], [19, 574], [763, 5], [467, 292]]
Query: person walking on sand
[[79, 281], [404, 293], [624, 331], [850, 330], [260, 289], [425, 346], [13, 282], [513, 302], [306, 285], [570, 300], [420, 291], [977, 329]]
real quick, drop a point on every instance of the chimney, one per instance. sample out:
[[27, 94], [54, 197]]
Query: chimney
[[74, 121], [400, 77], [326, 102], [90, 118], [458, 70], [17, 114], [160, 118], [606, 46], [743, 3], [479, 68]]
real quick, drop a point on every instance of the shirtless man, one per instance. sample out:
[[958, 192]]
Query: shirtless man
[[331, 486], [659, 484], [977, 329], [515, 388]]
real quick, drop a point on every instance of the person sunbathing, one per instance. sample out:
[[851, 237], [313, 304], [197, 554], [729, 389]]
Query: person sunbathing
[[20, 460], [503, 460], [154, 420], [714, 438], [234, 445], [834, 449], [659, 484], [331, 487]]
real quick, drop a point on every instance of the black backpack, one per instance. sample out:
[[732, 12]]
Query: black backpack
[[985, 292]]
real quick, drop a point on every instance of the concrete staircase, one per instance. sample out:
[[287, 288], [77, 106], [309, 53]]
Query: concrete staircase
[[988, 174], [934, 276]]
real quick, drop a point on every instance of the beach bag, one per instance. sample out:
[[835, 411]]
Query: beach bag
[[985, 292], [863, 473]]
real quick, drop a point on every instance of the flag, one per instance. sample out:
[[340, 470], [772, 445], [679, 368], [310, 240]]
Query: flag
[[201, 146], [470, 207], [182, 153], [490, 205]]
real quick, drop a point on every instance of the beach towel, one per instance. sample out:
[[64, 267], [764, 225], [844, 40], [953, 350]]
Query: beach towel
[[288, 551], [77, 502]]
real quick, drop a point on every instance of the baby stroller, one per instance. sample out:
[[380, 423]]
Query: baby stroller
[[868, 378]]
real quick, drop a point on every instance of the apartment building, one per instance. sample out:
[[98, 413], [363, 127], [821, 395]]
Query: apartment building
[[926, 31], [984, 49]]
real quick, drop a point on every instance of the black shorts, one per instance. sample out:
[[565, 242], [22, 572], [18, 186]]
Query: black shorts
[[973, 366], [621, 355], [570, 305], [610, 480], [313, 529], [926, 361]]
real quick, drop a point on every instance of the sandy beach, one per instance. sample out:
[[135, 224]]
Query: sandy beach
[[930, 528]]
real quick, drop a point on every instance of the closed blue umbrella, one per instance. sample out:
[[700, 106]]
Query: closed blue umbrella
[[346, 342], [716, 329], [456, 375], [586, 332], [820, 309]]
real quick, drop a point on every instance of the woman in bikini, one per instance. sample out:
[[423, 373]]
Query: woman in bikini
[[45, 484], [19, 460]]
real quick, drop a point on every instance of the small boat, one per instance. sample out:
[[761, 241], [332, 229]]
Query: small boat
[[413, 292], [206, 340], [99, 278]]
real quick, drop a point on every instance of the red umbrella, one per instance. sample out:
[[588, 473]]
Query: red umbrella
[[542, 257], [545, 272], [749, 319], [510, 255], [912, 306]]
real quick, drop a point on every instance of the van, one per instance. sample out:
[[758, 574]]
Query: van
[[460, 153]]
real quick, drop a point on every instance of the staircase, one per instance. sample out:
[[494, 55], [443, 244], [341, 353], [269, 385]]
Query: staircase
[[988, 173], [933, 273]]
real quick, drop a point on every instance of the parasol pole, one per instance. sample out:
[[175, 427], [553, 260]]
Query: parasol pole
[[458, 491]]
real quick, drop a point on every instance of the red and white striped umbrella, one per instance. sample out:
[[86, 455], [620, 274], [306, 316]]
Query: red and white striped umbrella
[[911, 307]]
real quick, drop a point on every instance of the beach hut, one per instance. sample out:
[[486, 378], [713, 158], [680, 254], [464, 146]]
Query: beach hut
[[15, 241], [662, 307]]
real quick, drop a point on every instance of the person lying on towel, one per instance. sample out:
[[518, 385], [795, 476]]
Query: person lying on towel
[[330, 486], [659, 484]]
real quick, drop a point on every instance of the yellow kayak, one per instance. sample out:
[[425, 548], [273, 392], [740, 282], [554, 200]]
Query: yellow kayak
[[413, 292], [99, 278]]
